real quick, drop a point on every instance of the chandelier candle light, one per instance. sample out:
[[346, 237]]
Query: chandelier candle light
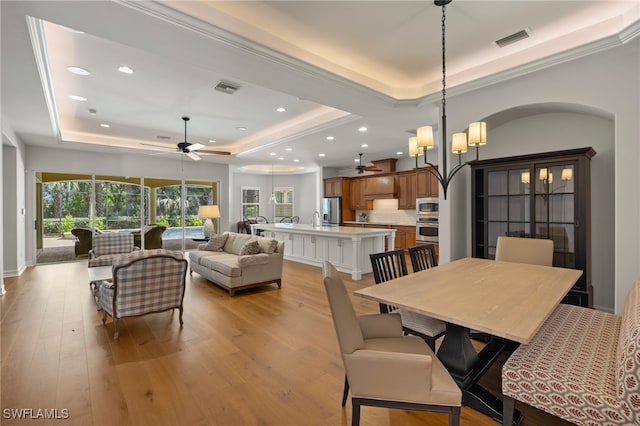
[[423, 140], [208, 213]]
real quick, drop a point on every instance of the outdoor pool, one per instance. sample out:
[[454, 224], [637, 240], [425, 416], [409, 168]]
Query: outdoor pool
[[176, 233]]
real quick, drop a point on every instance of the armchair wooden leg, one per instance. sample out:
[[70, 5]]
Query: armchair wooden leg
[[355, 413], [115, 329], [181, 322], [104, 316], [508, 407], [345, 392]]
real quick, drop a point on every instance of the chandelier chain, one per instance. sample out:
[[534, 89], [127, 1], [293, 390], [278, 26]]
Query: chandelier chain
[[444, 68]]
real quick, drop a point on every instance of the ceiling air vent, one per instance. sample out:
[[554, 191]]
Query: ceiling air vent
[[515, 37], [226, 87]]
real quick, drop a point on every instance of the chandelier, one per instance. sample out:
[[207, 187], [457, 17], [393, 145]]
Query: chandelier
[[423, 141]]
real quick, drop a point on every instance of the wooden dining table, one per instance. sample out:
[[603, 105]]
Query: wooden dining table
[[509, 301]]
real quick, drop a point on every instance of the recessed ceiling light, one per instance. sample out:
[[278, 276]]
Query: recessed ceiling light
[[321, 155], [362, 129], [399, 153], [330, 138], [105, 125], [78, 71], [241, 128], [125, 69], [212, 141], [364, 145], [281, 109], [288, 149], [272, 153], [78, 98], [296, 160], [356, 160], [280, 158]]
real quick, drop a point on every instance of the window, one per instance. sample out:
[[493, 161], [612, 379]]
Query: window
[[250, 201], [284, 203]]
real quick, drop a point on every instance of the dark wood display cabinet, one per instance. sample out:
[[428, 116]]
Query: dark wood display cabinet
[[543, 195]]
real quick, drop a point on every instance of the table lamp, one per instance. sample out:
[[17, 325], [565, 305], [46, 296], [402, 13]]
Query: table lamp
[[208, 213]]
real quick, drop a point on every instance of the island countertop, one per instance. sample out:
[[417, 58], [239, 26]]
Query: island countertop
[[346, 247], [322, 230]]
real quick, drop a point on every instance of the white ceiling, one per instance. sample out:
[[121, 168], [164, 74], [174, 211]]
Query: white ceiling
[[334, 65]]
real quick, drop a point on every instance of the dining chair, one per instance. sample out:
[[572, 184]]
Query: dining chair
[[383, 368], [295, 219], [423, 257], [286, 219], [388, 266], [535, 251]]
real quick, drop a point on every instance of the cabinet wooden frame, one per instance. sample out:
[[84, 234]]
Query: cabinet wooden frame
[[577, 221]]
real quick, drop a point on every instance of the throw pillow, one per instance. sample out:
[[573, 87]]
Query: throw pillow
[[268, 245], [252, 246], [216, 243]]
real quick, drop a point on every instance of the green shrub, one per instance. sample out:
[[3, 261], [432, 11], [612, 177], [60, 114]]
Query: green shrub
[[99, 224], [51, 226], [193, 220], [163, 220], [68, 223]]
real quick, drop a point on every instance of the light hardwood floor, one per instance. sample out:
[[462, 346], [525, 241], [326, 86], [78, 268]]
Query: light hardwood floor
[[263, 357]]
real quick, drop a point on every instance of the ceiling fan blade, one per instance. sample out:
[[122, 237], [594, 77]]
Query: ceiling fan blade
[[195, 146], [211, 151], [193, 156]]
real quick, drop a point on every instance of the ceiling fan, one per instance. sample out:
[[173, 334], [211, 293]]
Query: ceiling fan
[[362, 168], [190, 148]]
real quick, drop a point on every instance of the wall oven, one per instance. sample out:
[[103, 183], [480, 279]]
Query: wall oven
[[427, 220], [427, 229]]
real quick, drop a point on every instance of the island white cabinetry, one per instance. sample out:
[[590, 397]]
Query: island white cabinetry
[[347, 248]]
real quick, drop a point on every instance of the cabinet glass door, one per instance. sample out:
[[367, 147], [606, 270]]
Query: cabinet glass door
[[555, 210], [508, 205]]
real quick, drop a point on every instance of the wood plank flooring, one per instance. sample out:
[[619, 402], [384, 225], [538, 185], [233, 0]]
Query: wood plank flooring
[[264, 357]]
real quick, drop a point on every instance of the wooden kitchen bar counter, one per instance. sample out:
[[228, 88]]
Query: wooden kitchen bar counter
[[346, 247]]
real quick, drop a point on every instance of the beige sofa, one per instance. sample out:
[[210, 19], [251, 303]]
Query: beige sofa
[[233, 271]]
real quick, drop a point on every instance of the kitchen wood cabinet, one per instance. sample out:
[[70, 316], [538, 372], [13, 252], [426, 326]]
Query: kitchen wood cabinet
[[337, 187], [537, 196], [380, 186], [405, 236], [357, 190], [407, 190], [427, 184]]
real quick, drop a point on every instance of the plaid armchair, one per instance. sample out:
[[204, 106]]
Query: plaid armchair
[[144, 282], [110, 246]]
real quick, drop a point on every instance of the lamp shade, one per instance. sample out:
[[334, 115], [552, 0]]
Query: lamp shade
[[567, 174], [525, 177], [478, 133], [425, 137], [459, 143], [208, 211], [413, 146]]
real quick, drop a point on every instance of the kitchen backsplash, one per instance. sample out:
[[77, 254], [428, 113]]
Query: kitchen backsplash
[[386, 211]]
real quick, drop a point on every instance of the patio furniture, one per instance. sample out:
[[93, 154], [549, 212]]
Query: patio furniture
[[84, 240], [152, 236]]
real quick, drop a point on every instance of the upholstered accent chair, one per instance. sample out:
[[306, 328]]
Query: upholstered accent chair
[[392, 264], [110, 246], [534, 251], [144, 282], [384, 368]]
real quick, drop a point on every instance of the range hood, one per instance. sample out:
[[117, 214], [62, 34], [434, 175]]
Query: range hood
[[380, 187]]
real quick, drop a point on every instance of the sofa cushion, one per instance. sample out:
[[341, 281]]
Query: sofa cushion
[[268, 245], [251, 246], [224, 263], [216, 243], [253, 259]]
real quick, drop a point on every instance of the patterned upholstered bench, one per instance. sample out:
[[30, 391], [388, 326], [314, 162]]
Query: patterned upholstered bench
[[583, 366]]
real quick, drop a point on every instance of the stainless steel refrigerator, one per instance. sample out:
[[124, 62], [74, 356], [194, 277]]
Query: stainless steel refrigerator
[[332, 211]]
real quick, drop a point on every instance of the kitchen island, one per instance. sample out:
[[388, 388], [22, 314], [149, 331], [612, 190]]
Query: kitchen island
[[347, 248]]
